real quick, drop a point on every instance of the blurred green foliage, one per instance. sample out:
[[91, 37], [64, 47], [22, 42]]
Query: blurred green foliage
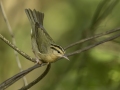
[[66, 21]]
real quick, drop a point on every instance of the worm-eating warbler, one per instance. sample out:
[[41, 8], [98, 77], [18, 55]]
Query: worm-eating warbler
[[43, 45]]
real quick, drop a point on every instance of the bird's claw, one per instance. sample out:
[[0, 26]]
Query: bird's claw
[[38, 61]]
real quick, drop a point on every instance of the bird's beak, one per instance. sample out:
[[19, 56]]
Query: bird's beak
[[65, 57]]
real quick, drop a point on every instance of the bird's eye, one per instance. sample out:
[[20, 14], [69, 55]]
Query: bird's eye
[[58, 51]]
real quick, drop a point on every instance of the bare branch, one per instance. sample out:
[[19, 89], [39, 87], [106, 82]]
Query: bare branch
[[16, 77], [17, 49], [13, 41], [93, 37], [38, 79], [93, 45]]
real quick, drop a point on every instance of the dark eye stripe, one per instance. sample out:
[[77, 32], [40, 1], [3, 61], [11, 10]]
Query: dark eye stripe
[[56, 49]]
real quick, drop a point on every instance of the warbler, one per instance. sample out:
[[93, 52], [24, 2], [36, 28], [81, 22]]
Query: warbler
[[43, 45]]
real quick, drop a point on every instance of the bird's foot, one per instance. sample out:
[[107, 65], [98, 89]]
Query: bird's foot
[[38, 61]]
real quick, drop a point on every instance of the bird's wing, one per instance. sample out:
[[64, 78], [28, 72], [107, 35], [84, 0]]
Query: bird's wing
[[39, 34]]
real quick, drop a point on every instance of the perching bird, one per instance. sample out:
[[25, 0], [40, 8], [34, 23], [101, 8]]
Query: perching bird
[[43, 45]]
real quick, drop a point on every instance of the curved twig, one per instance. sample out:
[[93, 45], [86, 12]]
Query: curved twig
[[38, 79]]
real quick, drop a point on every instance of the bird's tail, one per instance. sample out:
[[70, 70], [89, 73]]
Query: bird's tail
[[35, 17]]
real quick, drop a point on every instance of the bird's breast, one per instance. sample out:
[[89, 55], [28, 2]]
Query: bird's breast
[[48, 57]]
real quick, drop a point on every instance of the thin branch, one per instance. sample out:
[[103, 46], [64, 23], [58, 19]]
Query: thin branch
[[16, 77], [13, 41], [17, 49], [93, 45], [38, 79], [93, 37]]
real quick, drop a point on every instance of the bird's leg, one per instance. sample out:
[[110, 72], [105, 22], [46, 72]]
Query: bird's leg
[[38, 61]]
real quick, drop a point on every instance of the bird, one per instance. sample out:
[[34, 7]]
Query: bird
[[43, 46]]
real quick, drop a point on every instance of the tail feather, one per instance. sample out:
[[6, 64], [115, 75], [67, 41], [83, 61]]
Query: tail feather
[[30, 16], [39, 16], [35, 16]]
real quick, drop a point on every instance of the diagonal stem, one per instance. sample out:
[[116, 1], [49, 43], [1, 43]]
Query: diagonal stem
[[93, 37], [17, 49], [93, 45]]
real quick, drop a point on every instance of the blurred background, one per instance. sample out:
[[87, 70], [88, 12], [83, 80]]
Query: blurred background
[[66, 21]]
